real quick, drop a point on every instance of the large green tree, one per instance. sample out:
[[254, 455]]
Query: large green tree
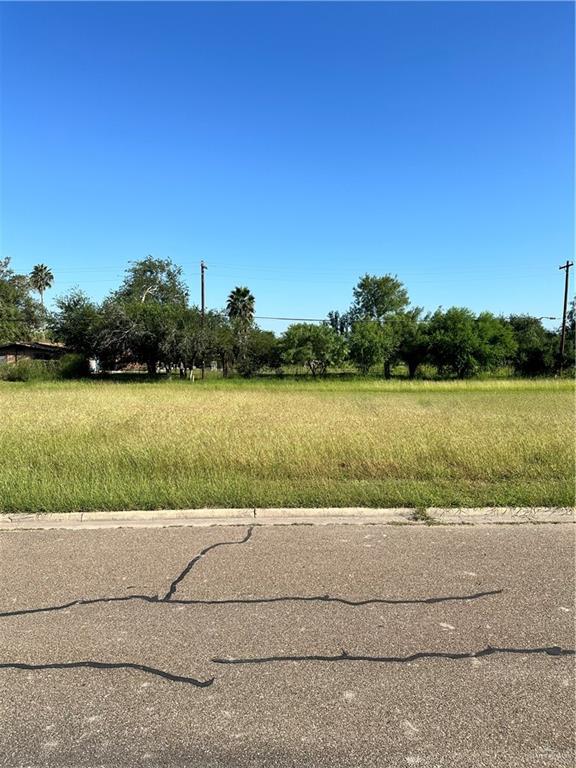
[[182, 346], [496, 342], [365, 344], [222, 340], [463, 344], [536, 348], [20, 315], [263, 351], [200, 339], [315, 346], [142, 322], [75, 322], [153, 280], [137, 332], [454, 342], [381, 299], [378, 298], [413, 339]]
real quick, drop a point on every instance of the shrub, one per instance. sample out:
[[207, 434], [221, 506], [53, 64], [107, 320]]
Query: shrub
[[29, 370], [73, 366]]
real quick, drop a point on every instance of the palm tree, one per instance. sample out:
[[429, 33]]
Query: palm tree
[[240, 306], [41, 278], [240, 309]]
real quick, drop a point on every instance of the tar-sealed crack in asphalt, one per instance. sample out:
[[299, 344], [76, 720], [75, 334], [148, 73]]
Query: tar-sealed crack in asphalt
[[344, 656]]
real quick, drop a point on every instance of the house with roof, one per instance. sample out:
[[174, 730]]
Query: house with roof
[[14, 351]]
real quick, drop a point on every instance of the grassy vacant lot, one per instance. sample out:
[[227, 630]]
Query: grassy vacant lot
[[106, 445]]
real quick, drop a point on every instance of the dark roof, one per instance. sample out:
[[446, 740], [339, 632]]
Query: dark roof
[[34, 346]]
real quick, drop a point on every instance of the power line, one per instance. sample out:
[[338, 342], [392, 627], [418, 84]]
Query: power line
[[227, 268], [300, 319], [276, 269]]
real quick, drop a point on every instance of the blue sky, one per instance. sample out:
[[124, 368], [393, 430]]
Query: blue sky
[[293, 147]]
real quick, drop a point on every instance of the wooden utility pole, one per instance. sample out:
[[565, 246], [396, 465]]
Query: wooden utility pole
[[563, 336], [203, 269]]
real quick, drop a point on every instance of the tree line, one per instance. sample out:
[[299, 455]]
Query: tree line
[[149, 321]]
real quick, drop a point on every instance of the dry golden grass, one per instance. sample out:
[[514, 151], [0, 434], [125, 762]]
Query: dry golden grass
[[104, 445]]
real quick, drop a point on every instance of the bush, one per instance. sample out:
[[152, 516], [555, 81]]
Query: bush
[[29, 370], [73, 367], [68, 367]]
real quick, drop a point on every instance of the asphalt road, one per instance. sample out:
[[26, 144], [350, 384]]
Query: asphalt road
[[288, 646]]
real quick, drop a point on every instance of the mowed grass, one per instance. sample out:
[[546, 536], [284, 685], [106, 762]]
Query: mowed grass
[[105, 445]]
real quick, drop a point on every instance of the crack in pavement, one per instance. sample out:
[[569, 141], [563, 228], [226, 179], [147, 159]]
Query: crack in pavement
[[169, 598], [553, 650], [154, 599], [256, 601], [73, 603], [112, 665], [192, 563], [147, 598]]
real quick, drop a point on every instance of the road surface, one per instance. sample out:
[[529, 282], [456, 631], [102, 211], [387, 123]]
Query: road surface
[[324, 645]]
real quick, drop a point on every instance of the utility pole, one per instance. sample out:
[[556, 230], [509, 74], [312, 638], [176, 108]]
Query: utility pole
[[563, 337], [203, 269]]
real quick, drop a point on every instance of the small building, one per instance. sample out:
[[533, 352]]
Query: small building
[[30, 350]]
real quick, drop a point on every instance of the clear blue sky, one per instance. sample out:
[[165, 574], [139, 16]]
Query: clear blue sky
[[294, 146]]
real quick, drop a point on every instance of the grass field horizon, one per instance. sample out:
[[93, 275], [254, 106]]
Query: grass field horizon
[[106, 445]]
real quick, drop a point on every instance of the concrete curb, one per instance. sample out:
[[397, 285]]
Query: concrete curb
[[503, 515], [288, 516]]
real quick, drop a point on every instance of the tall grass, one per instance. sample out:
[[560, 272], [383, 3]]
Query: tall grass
[[106, 445]]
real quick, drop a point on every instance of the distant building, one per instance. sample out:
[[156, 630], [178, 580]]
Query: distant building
[[30, 350]]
